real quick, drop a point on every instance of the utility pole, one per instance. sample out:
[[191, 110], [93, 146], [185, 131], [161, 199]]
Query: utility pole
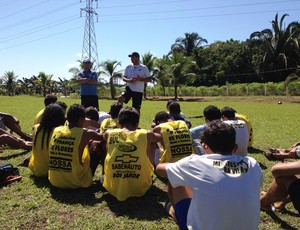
[[89, 48]]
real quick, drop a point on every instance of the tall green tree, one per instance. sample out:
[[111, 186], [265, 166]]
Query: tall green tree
[[187, 43], [64, 86], [178, 70], [281, 45], [110, 70], [44, 81], [24, 85], [148, 60], [161, 76], [10, 81]]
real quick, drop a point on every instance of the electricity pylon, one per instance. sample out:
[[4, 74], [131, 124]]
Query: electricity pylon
[[89, 48]]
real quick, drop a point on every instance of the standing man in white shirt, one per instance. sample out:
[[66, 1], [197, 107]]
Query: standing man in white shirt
[[135, 75]]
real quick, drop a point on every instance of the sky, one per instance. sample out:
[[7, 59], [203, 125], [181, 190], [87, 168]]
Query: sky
[[47, 35]]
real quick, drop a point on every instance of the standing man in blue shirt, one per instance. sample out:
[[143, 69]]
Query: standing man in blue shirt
[[88, 79]]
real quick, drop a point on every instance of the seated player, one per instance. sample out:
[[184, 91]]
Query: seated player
[[112, 122], [71, 165], [129, 161], [242, 138], [53, 116], [215, 181]]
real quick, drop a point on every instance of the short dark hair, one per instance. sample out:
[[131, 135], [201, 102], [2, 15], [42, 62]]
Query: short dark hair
[[212, 112], [174, 108], [219, 137], [228, 112], [115, 109], [49, 99], [92, 113], [128, 115], [62, 105], [170, 102], [75, 113], [161, 117]]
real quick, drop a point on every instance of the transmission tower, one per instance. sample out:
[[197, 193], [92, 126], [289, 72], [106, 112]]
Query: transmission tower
[[89, 48]]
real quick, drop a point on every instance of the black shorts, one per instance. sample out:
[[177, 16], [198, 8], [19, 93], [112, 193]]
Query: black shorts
[[90, 100], [137, 97], [294, 190]]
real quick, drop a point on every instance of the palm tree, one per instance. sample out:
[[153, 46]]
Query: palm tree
[[64, 85], [188, 43], [178, 70], [44, 81], [24, 84], [9, 80], [280, 45], [110, 71], [148, 60], [161, 76]]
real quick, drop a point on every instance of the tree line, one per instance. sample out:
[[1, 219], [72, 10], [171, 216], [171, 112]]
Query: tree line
[[270, 55]]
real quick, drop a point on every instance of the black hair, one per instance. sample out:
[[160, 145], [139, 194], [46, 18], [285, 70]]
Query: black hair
[[92, 113], [115, 109], [128, 115], [219, 137], [161, 116], [174, 108], [228, 112], [50, 99], [62, 104], [53, 116], [169, 103], [75, 113], [212, 112]]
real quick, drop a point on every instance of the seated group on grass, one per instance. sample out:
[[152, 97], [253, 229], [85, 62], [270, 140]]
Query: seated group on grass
[[220, 178]]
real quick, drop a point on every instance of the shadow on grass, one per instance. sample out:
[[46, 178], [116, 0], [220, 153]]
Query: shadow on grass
[[11, 156], [84, 196], [283, 224], [255, 150], [148, 207]]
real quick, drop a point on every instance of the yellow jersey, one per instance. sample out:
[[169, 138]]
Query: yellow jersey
[[249, 127], [128, 170], [108, 123], [39, 160], [65, 168], [177, 141]]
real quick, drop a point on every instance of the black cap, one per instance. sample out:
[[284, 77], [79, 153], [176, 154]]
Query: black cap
[[134, 54]]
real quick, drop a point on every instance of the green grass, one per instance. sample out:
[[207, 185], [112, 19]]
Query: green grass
[[34, 204]]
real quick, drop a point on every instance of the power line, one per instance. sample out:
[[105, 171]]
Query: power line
[[143, 4], [38, 29], [9, 3], [38, 16], [200, 16], [28, 8], [196, 9], [51, 35]]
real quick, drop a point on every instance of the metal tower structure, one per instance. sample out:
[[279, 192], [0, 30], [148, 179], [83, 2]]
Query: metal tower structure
[[89, 48]]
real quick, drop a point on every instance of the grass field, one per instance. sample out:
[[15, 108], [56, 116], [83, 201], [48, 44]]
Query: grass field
[[34, 204]]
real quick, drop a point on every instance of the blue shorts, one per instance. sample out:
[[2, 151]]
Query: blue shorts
[[181, 209]]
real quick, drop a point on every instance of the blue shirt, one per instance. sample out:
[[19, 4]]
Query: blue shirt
[[88, 89], [195, 133]]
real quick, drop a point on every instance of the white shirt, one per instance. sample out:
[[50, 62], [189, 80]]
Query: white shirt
[[133, 71], [241, 137], [226, 190]]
